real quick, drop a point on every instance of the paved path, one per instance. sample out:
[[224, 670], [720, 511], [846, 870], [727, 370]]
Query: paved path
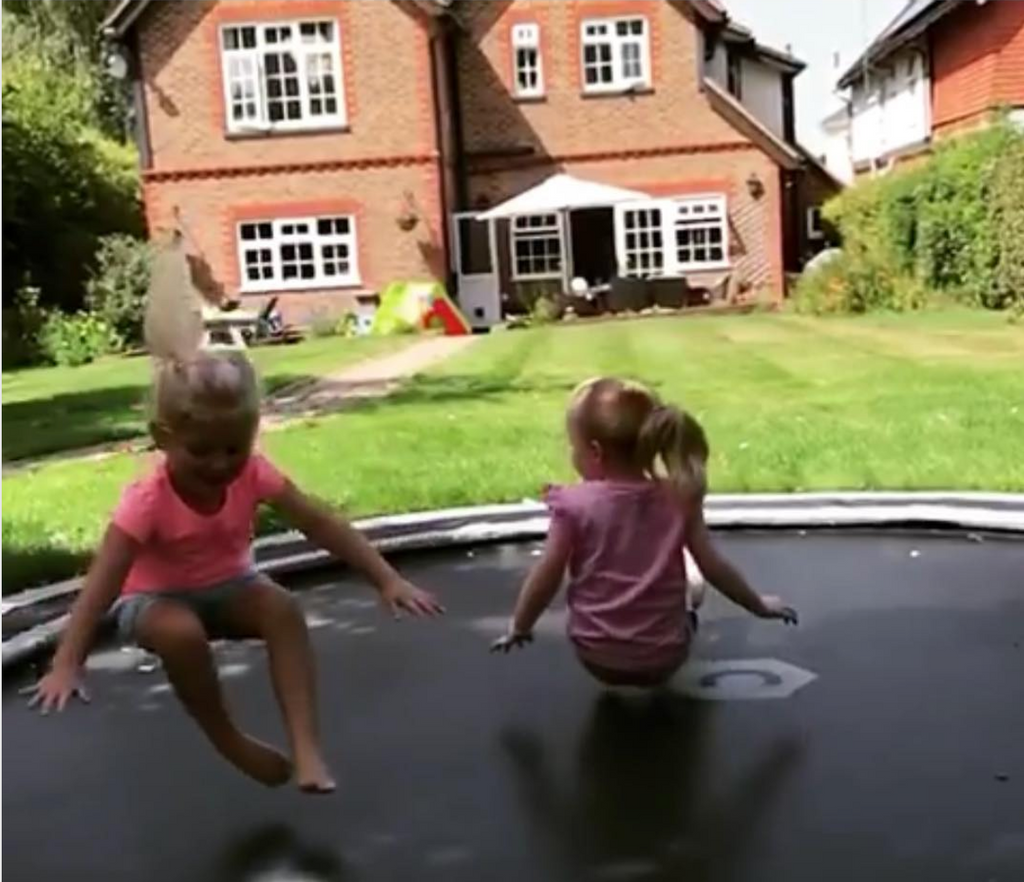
[[372, 378]]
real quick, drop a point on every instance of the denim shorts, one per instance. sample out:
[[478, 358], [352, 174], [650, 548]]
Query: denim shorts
[[209, 604]]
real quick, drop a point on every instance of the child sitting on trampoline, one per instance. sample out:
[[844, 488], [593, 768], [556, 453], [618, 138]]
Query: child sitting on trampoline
[[178, 549], [622, 533]]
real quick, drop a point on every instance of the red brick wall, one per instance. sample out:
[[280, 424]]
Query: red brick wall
[[565, 122], [209, 210], [211, 179], [666, 141], [977, 62], [386, 75], [755, 225]]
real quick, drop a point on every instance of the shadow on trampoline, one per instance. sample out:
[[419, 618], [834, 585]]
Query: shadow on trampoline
[[640, 806], [277, 851]]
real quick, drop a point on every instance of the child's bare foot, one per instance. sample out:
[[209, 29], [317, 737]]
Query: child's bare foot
[[312, 774], [257, 760]]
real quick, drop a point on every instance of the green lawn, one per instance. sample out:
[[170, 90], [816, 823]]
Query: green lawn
[[918, 401], [54, 408]]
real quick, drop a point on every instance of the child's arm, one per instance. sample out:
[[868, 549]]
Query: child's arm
[[102, 585], [328, 529], [727, 579], [539, 589]]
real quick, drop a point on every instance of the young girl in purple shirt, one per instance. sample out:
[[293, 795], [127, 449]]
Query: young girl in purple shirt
[[621, 534]]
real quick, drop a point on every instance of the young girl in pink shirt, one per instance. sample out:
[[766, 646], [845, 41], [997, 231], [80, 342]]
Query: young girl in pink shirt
[[178, 552], [622, 533]]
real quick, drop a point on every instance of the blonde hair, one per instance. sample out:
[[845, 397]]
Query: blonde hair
[[189, 385], [632, 425]]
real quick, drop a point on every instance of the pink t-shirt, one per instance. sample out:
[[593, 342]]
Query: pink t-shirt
[[183, 549], [627, 573]]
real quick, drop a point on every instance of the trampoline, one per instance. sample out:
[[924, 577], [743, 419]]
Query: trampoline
[[887, 744]]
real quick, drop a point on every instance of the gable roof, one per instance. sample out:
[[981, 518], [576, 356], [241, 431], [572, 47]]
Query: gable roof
[[127, 12], [738, 34], [744, 121], [122, 17], [912, 20]]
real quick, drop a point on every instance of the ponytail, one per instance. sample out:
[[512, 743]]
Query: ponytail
[[675, 440]]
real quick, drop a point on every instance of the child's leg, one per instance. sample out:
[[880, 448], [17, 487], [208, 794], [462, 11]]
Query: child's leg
[[268, 612], [176, 635]]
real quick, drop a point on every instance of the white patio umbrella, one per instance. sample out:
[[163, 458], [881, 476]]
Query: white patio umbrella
[[562, 193]]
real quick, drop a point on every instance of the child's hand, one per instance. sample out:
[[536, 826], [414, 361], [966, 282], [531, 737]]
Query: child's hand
[[510, 641], [401, 596], [56, 689], [774, 608]]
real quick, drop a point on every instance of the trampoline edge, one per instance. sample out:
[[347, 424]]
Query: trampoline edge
[[288, 553]]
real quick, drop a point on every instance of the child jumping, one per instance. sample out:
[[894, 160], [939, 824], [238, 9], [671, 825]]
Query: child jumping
[[178, 551], [622, 533]]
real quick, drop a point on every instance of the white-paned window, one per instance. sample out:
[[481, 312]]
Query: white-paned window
[[297, 252], [616, 54], [701, 229], [643, 241], [670, 237], [284, 75], [528, 69], [814, 228], [536, 244]]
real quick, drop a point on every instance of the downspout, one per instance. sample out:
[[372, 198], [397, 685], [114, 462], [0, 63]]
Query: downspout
[[436, 50], [458, 131], [140, 125]]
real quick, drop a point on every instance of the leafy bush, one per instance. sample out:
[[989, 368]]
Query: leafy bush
[[856, 284], [65, 182], [116, 292], [72, 340], [22, 322], [1008, 217], [938, 226], [544, 311]]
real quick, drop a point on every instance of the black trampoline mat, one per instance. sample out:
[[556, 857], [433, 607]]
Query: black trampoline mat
[[902, 760]]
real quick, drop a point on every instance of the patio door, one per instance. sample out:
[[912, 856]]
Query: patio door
[[474, 260]]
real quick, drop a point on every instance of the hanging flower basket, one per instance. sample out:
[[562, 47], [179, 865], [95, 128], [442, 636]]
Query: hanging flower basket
[[407, 221]]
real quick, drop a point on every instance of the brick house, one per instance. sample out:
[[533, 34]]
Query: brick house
[[316, 149], [939, 68]]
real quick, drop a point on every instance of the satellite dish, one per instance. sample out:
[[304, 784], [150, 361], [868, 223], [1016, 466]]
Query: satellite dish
[[579, 286]]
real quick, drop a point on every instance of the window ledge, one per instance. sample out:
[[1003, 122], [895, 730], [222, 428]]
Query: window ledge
[[250, 289], [270, 132], [627, 92], [530, 99]]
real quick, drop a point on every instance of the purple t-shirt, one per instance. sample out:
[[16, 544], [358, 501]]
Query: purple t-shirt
[[627, 573]]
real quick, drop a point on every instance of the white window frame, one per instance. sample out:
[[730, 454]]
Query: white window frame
[[674, 214], [814, 228], [518, 231], [620, 81], [526, 38], [246, 64], [283, 232]]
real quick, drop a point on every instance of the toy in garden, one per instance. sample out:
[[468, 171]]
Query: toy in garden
[[418, 306]]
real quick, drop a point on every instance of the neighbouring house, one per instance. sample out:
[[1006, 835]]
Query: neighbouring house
[[939, 68], [315, 150], [837, 155]]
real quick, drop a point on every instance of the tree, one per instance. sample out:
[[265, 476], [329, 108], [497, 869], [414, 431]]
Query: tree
[[65, 35], [66, 182]]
